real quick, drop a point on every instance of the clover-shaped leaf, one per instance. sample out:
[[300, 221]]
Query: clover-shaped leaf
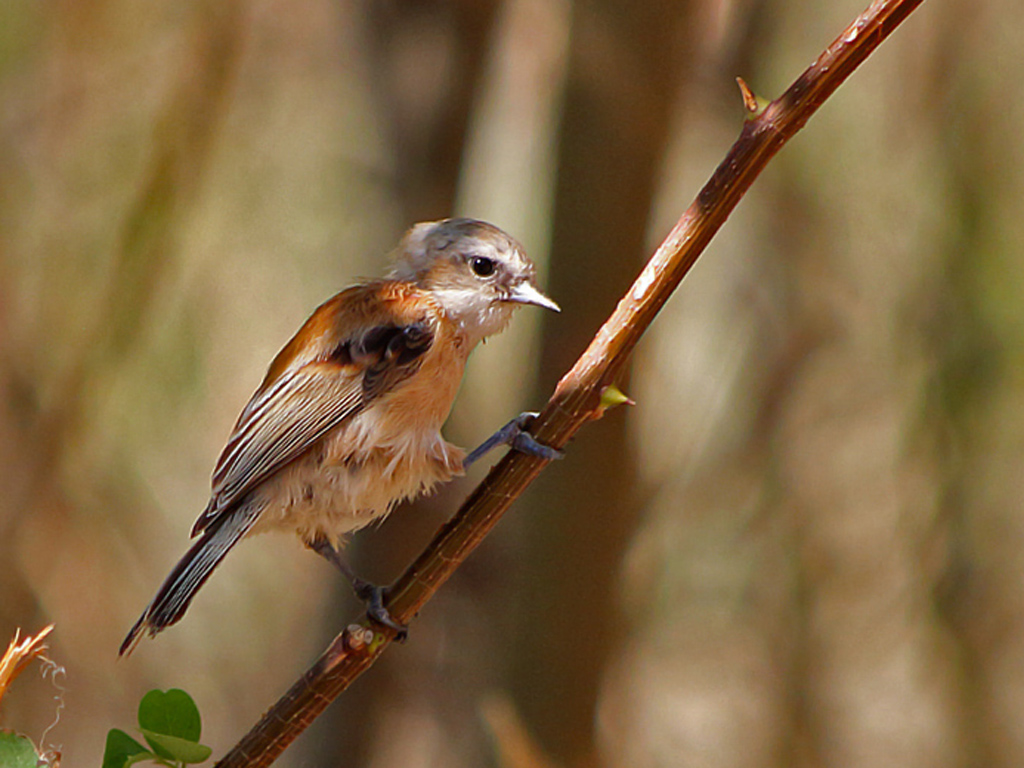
[[170, 724]]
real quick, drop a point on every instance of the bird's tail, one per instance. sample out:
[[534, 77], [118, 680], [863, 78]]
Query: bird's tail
[[190, 574]]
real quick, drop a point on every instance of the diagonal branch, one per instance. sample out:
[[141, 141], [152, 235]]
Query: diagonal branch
[[577, 397]]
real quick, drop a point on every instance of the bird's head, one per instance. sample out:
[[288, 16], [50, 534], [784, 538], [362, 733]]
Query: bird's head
[[477, 272]]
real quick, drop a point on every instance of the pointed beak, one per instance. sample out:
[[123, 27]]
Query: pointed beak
[[524, 293]]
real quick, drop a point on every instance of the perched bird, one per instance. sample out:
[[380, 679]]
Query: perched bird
[[347, 420]]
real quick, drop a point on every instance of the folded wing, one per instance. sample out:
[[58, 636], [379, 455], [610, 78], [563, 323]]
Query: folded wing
[[292, 412]]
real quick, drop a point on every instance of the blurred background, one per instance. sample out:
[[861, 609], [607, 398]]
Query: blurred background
[[804, 546]]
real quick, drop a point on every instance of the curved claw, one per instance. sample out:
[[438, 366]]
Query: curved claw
[[373, 596], [524, 442]]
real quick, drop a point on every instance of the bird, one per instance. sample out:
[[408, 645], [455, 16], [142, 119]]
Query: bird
[[347, 421]]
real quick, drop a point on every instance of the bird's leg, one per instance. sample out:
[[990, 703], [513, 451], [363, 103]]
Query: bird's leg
[[514, 434], [371, 594]]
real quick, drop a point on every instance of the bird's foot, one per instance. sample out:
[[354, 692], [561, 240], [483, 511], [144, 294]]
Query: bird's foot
[[514, 435], [371, 595]]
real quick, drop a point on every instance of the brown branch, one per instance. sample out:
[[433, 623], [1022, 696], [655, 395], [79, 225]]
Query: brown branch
[[577, 397]]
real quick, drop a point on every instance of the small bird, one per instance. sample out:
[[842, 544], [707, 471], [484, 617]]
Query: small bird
[[347, 421]]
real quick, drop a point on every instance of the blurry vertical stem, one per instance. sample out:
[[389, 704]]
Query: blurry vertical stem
[[184, 136], [577, 397]]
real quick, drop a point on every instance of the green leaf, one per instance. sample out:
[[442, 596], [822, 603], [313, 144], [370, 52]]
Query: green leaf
[[121, 751], [17, 751], [170, 714], [174, 748]]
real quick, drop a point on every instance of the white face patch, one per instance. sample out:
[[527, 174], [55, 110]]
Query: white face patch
[[445, 258], [478, 312]]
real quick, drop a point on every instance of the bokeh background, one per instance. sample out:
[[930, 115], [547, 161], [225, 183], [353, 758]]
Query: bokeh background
[[804, 546]]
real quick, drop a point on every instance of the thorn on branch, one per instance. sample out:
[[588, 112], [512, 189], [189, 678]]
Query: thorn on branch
[[612, 397], [753, 103]]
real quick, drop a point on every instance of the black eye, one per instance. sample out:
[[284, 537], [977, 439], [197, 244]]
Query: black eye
[[482, 266]]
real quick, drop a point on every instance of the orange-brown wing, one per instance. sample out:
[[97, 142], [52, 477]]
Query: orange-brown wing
[[314, 386]]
